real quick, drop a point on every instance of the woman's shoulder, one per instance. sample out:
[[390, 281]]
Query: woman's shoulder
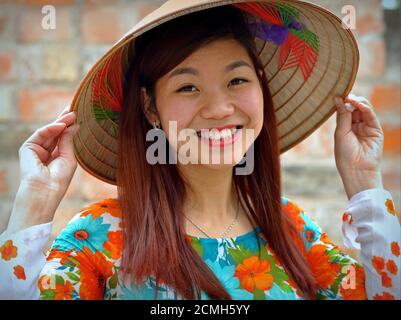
[[97, 227], [300, 219], [292, 210], [103, 208]]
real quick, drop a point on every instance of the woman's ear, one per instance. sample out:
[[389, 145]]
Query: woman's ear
[[149, 108]]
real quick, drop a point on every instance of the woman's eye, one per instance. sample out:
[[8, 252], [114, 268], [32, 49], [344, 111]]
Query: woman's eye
[[238, 81], [191, 88], [183, 89]]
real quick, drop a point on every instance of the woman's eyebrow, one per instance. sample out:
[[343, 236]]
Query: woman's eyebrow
[[193, 71]]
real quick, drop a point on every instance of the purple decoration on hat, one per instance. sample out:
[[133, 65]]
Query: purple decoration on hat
[[269, 32], [294, 24]]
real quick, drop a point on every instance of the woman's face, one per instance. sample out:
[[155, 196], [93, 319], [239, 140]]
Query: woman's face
[[215, 100]]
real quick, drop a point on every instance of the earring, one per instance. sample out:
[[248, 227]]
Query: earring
[[156, 126]]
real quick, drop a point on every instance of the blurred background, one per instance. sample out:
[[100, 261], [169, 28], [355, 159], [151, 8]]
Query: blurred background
[[41, 69]]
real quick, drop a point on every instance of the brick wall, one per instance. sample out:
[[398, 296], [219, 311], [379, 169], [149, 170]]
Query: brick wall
[[40, 70]]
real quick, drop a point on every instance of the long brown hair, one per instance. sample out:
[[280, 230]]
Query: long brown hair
[[154, 242]]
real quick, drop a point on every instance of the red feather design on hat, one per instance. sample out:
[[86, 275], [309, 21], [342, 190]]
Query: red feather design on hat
[[296, 52], [107, 93], [300, 47]]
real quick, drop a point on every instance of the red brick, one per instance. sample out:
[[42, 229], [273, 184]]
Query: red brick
[[392, 140], [42, 104], [7, 108], [146, 8], [3, 183], [318, 145], [30, 60], [132, 12], [100, 24], [48, 2], [101, 2], [8, 14], [95, 190], [386, 97], [30, 26], [368, 24], [3, 22], [7, 65], [60, 62], [392, 178], [372, 58]]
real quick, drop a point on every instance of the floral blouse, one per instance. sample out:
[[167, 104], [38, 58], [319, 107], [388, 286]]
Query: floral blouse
[[84, 260]]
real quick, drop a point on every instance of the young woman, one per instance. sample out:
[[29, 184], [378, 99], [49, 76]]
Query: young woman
[[196, 229]]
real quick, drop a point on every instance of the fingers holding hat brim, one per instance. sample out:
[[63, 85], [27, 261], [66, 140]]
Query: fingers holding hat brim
[[364, 112], [66, 117], [344, 117], [353, 113]]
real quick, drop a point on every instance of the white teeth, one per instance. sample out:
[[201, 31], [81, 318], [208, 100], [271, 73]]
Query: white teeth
[[217, 135], [224, 134], [227, 133]]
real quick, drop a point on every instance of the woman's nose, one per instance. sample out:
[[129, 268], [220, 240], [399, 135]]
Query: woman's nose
[[217, 109]]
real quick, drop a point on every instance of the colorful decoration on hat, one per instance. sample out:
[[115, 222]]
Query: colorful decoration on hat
[[280, 24], [107, 92]]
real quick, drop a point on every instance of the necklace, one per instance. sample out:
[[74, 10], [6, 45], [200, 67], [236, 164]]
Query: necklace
[[225, 232]]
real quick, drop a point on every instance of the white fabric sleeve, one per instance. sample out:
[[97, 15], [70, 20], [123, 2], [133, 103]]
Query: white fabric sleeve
[[22, 258], [370, 225]]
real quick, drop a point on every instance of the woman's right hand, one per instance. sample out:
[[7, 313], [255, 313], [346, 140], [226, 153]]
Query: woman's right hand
[[47, 157], [47, 165]]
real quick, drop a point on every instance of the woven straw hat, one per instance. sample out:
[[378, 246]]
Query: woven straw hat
[[309, 59]]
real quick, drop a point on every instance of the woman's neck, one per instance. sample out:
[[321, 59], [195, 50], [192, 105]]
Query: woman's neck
[[210, 198]]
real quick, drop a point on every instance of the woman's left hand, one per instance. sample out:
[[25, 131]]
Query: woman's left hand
[[358, 145]]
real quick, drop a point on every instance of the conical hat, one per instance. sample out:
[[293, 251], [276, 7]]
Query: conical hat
[[309, 58]]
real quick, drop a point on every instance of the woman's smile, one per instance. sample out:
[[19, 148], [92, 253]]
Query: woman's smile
[[220, 137]]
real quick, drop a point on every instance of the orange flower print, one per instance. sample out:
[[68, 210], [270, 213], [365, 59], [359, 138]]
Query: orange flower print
[[392, 267], [294, 211], [358, 292], [95, 270], [386, 280], [8, 250], [19, 272], [323, 270], [384, 296], [326, 240], [114, 245], [45, 283], [253, 273], [63, 255], [390, 206], [310, 235], [97, 209], [378, 263], [395, 249], [345, 218], [64, 291]]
